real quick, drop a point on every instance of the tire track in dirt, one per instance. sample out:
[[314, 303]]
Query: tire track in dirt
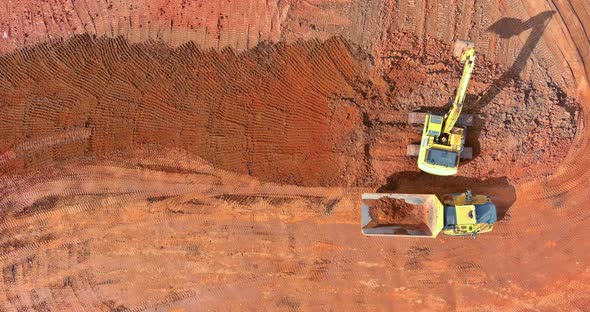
[[133, 184], [569, 176], [343, 260], [284, 122], [514, 243], [221, 113], [241, 25], [345, 255]]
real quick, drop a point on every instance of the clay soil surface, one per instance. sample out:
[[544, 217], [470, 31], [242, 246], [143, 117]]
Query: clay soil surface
[[211, 155]]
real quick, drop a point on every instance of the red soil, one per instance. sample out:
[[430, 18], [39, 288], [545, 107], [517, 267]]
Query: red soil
[[392, 211], [309, 113], [132, 177], [264, 112]]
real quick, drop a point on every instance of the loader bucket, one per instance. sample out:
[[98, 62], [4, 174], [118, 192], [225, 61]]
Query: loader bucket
[[460, 46], [418, 215]]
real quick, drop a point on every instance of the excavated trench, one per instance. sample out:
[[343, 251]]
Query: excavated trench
[[310, 113]]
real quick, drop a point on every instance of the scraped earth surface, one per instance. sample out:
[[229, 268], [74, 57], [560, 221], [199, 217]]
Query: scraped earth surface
[[212, 155]]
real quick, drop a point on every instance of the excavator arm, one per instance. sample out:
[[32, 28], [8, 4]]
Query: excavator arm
[[450, 119], [441, 146]]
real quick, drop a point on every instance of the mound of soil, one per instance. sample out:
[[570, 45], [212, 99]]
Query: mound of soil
[[391, 211]]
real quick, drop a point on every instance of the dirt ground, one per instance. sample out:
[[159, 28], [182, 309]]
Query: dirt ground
[[211, 155]]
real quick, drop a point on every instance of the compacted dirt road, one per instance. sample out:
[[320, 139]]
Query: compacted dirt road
[[181, 156]]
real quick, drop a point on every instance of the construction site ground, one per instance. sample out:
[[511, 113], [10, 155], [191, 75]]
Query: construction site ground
[[211, 155]]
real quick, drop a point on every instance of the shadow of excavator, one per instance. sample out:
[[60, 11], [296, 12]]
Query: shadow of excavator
[[506, 27]]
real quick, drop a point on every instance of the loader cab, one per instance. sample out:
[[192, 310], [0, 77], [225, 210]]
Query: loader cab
[[464, 220], [434, 124]]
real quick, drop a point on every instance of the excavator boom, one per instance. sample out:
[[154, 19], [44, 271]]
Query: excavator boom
[[451, 117]]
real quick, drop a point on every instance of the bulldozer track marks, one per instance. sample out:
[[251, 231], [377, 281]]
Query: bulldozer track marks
[[214, 156]]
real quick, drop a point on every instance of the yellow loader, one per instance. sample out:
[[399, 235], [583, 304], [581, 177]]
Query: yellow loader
[[459, 214]]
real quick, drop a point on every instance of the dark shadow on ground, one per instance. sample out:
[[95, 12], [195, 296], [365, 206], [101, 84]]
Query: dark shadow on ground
[[411, 182], [505, 27], [508, 27]]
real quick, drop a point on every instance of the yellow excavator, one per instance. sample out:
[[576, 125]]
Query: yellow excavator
[[456, 214], [442, 142]]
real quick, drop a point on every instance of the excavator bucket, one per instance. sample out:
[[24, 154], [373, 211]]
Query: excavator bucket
[[461, 46]]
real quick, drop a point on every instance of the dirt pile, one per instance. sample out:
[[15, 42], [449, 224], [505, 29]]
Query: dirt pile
[[392, 211]]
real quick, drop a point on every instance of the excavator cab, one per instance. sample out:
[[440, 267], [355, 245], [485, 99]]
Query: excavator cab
[[440, 152]]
